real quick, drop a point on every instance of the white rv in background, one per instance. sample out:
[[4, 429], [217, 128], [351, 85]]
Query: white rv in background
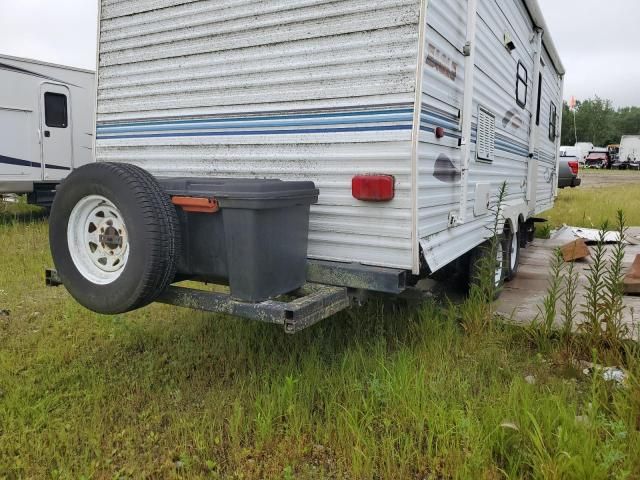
[[566, 151], [630, 148], [584, 148], [46, 125], [408, 116]]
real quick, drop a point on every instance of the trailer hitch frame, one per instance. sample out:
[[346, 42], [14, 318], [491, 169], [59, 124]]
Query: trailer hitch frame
[[295, 312]]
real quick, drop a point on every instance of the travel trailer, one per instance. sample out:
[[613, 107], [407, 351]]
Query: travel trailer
[[630, 149], [355, 146], [46, 125]]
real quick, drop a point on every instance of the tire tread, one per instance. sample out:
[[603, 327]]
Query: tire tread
[[159, 225]]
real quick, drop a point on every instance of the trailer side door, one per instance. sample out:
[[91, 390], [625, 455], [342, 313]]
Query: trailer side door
[[55, 120]]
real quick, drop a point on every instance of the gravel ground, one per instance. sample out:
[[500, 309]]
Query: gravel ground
[[596, 178]]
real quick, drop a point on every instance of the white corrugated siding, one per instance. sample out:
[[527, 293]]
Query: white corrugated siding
[[322, 90], [292, 89], [547, 149], [495, 82]]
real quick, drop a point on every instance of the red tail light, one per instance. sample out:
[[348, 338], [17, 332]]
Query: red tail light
[[373, 188], [575, 167]]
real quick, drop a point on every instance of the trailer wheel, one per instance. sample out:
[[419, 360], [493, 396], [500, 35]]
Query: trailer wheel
[[114, 237], [513, 242], [484, 253]]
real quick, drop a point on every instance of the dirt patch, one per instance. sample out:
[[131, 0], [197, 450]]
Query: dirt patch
[[599, 179]]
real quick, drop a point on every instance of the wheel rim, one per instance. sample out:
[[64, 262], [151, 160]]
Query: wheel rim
[[98, 240], [499, 263], [514, 252]]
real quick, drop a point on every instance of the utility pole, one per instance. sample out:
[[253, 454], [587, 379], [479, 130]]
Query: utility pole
[[572, 106]]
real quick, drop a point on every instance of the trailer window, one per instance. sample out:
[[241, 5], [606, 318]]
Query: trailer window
[[539, 100], [522, 85], [55, 110], [553, 122]]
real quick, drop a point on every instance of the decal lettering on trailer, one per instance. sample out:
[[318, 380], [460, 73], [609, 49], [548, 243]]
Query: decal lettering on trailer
[[442, 62]]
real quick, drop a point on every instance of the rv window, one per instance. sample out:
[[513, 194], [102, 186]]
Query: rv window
[[553, 122], [539, 100], [522, 85], [55, 110]]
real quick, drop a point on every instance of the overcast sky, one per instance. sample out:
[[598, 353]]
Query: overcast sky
[[599, 43], [598, 40]]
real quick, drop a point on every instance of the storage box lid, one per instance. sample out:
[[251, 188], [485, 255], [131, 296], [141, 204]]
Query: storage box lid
[[229, 191]]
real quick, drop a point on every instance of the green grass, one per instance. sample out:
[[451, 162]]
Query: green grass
[[369, 394], [590, 207]]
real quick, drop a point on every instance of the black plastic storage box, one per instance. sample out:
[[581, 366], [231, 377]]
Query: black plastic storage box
[[257, 241]]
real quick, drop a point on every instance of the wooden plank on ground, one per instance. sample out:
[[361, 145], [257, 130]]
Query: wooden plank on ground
[[632, 279], [521, 298], [576, 250]]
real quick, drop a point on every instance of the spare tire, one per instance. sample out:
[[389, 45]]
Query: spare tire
[[114, 237]]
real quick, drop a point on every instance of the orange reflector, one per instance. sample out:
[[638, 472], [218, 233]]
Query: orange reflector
[[197, 204]]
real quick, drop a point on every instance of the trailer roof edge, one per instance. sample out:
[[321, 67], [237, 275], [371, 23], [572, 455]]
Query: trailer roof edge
[[538, 18], [45, 64]]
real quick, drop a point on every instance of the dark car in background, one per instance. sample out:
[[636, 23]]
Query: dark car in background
[[569, 171]]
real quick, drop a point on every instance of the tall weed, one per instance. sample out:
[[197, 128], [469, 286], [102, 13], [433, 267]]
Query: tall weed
[[569, 307], [543, 328], [603, 309], [615, 330], [599, 320], [594, 295], [477, 312]]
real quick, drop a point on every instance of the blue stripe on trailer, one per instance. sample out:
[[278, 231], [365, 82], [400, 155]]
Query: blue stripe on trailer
[[276, 125], [336, 117], [237, 133], [234, 124], [56, 167], [17, 162], [26, 163], [275, 116]]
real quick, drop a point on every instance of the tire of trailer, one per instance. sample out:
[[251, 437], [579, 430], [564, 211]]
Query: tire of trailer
[[482, 253], [512, 242], [114, 237]]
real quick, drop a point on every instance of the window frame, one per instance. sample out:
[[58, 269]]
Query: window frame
[[553, 122], [524, 81], [539, 106], [48, 121]]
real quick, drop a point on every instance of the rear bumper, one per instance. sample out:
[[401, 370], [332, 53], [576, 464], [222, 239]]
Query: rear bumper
[[569, 182]]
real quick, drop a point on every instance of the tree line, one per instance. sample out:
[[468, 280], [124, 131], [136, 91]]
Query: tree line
[[597, 122]]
